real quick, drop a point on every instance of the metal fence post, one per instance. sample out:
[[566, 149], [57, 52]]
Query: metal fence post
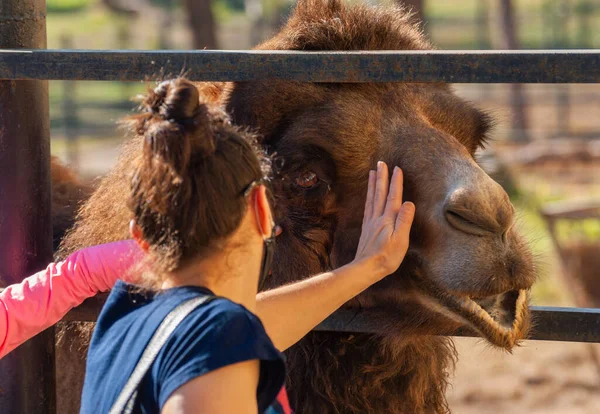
[[26, 374]]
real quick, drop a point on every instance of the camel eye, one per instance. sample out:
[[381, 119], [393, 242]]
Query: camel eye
[[307, 180]]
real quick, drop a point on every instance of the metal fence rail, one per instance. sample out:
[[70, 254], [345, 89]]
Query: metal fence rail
[[550, 323], [533, 66]]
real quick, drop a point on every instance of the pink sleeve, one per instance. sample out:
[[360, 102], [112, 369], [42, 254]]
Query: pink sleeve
[[42, 299]]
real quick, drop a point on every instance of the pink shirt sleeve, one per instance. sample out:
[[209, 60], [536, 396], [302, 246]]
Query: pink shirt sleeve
[[42, 299]]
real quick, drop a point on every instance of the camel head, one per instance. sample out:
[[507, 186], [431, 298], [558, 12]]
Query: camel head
[[467, 266]]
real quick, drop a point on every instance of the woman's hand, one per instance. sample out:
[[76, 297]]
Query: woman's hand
[[386, 223], [291, 311]]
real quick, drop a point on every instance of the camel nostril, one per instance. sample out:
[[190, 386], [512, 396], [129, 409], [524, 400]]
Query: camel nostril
[[480, 211]]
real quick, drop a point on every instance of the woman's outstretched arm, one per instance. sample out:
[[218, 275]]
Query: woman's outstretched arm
[[44, 298], [290, 312]]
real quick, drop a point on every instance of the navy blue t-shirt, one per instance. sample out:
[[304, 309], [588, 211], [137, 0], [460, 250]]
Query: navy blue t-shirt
[[216, 334]]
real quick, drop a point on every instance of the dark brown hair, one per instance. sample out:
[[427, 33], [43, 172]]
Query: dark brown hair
[[187, 190]]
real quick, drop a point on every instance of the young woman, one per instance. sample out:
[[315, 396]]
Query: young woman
[[202, 215]]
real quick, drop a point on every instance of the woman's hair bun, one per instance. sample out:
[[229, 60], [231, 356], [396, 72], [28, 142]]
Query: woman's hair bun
[[177, 101]]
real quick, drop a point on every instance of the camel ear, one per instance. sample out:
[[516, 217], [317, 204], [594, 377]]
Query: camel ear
[[268, 107], [211, 92]]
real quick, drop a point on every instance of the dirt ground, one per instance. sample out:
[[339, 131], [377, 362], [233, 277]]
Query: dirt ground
[[540, 377]]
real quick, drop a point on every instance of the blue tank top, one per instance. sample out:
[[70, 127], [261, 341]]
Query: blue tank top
[[216, 334]]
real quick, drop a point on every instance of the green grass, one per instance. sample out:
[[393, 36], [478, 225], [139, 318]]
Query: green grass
[[66, 6], [450, 9], [97, 91], [84, 142], [548, 290], [223, 12], [587, 230], [90, 29], [100, 105]]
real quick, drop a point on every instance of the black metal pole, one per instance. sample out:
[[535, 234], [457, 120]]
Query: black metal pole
[[27, 373]]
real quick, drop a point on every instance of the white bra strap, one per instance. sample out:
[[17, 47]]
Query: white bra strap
[[126, 399]]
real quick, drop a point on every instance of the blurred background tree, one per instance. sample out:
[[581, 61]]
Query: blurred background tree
[[508, 39], [202, 23]]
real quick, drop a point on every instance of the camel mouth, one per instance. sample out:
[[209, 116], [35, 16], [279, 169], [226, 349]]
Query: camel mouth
[[502, 319]]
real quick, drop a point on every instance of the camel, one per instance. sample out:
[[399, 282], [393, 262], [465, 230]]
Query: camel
[[467, 267]]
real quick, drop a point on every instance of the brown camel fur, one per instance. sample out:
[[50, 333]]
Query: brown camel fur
[[68, 193], [467, 267]]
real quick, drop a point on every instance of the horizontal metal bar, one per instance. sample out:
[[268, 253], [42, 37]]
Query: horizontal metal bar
[[550, 323], [532, 66]]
